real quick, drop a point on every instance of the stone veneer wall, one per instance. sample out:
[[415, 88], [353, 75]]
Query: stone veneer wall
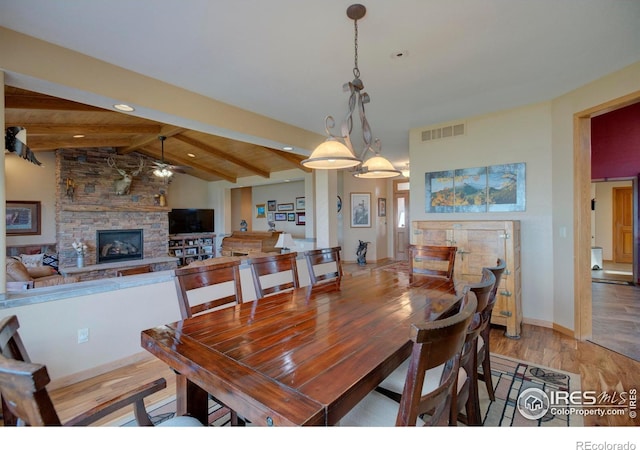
[[95, 206]]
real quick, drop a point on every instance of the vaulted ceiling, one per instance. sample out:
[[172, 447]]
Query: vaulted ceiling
[[52, 123]]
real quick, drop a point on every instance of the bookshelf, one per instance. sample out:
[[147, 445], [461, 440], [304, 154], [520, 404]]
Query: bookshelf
[[191, 247]]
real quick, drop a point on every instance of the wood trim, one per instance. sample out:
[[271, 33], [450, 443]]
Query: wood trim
[[119, 208], [582, 219]]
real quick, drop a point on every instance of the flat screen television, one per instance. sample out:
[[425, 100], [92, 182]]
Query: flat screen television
[[190, 221]]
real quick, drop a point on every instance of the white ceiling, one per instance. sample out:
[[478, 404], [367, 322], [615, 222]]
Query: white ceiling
[[288, 59]]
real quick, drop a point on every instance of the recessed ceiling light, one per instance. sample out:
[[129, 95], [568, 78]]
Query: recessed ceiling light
[[191, 155], [78, 136], [288, 147], [123, 107]]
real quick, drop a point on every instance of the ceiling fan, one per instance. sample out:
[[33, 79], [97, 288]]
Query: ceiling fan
[[163, 169]]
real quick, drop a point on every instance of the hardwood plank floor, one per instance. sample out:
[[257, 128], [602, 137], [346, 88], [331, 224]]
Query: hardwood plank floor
[[616, 318]]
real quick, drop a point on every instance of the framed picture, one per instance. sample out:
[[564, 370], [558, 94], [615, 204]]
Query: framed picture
[[300, 203], [360, 210], [270, 217], [291, 217], [382, 207], [178, 252], [285, 207], [260, 211], [191, 251], [271, 205], [281, 216], [301, 218], [23, 217]]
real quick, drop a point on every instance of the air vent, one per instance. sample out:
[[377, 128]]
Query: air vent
[[443, 132]]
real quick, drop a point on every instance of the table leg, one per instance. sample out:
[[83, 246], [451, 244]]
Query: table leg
[[191, 400]]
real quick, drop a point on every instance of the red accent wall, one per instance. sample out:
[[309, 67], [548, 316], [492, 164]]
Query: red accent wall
[[615, 143]]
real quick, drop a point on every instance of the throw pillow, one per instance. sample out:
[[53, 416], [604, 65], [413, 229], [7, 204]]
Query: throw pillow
[[16, 271], [50, 260], [42, 271], [32, 260]]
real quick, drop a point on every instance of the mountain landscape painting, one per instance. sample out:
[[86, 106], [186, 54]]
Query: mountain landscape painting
[[477, 189]]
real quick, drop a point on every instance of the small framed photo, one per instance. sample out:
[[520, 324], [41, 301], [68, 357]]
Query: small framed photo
[[270, 217], [22, 218], [382, 207], [285, 207], [191, 251], [291, 217], [271, 205], [301, 219], [178, 252], [300, 203], [281, 216], [360, 210], [260, 211]]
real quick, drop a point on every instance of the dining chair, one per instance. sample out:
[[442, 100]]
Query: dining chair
[[484, 358], [467, 397], [26, 401], [431, 260], [431, 376], [189, 280], [319, 260], [274, 273], [194, 299], [134, 270]]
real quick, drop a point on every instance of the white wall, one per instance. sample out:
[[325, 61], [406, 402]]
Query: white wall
[[27, 181], [513, 136]]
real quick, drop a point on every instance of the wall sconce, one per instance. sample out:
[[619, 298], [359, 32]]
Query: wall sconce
[[71, 187]]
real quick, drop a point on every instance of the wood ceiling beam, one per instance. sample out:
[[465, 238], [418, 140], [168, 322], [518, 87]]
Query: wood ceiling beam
[[195, 166], [47, 103], [220, 154], [137, 144], [37, 143], [289, 157], [86, 129]]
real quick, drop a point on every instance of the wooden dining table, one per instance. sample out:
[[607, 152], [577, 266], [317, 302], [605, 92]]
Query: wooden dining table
[[304, 357]]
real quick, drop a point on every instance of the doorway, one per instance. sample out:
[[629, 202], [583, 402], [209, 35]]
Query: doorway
[[402, 221], [612, 228], [583, 310]]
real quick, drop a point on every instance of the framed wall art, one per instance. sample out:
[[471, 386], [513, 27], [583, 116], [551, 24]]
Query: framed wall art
[[260, 211], [499, 188], [360, 210], [300, 203], [285, 207], [271, 205], [23, 218], [382, 207], [301, 218], [291, 217], [281, 216]]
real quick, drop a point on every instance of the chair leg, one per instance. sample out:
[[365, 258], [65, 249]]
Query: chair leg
[[486, 371], [472, 405]]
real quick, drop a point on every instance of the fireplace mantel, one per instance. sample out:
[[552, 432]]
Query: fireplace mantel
[[115, 208]]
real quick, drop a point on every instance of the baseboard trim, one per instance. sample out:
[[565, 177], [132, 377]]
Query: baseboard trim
[[98, 370], [546, 324]]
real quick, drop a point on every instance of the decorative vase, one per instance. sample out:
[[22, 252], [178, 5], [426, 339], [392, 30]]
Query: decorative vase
[[80, 261]]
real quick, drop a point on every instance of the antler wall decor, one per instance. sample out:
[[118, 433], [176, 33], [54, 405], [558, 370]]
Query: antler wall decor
[[122, 185]]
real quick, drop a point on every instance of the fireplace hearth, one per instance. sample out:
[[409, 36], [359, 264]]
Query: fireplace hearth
[[119, 245]]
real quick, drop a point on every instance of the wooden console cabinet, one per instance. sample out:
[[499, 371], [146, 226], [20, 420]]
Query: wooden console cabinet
[[480, 243], [248, 242]]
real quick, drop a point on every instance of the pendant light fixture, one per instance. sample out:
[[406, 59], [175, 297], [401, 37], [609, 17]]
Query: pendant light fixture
[[337, 151], [162, 169]]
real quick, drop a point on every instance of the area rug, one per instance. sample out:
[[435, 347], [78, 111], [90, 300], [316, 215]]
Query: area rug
[[511, 377]]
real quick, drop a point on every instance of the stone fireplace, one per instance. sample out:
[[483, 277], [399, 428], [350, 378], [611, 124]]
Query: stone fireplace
[[119, 245], [94, 206]]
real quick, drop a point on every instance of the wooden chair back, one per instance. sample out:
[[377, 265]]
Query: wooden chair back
[[134, 270], [11, 346], [318, 257], [431, 260], [274, 264], [190, 278], [434, 343]]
